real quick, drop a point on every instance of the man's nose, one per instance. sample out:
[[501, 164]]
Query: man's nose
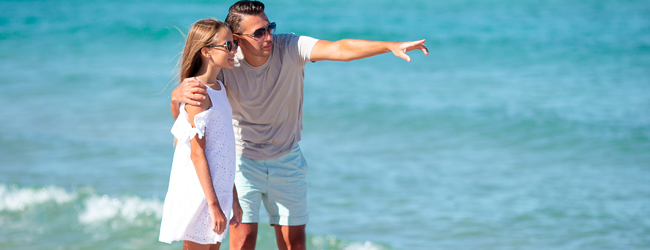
[[267, 35]]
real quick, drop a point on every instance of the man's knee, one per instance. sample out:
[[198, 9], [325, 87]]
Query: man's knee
[[291, 237], [243, 237]]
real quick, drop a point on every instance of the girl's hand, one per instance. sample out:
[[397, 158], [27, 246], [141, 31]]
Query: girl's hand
[[236, 214], [219, 220]]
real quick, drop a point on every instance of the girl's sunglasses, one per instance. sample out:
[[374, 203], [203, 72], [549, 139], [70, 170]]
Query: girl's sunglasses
[[261, 32], [229, 46]]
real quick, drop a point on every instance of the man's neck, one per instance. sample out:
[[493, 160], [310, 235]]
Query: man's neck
[[255, 61]]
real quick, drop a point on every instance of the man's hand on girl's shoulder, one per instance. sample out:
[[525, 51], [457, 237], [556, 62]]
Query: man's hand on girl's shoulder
[[190, 91]]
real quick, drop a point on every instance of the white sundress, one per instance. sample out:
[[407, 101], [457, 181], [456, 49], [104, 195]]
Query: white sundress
[[185, 211]]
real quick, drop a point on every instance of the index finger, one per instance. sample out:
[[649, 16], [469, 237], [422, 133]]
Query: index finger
[[193, 82], [221, 227], [197, 89]]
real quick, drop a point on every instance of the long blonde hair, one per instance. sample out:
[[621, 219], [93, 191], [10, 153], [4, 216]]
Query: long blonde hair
[[202, 33]]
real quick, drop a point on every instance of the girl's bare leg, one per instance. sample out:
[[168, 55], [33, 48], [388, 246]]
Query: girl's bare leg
[[189, 245]]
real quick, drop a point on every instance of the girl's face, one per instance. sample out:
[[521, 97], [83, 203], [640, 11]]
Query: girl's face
[[219, 53]]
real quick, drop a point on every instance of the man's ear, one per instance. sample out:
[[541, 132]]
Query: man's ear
[[236, 39]]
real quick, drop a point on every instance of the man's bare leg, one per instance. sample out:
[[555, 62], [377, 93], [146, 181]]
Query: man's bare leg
[[243, 237], [290, 237]]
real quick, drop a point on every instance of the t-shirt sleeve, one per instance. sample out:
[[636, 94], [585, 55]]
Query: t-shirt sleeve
[[299, 48]]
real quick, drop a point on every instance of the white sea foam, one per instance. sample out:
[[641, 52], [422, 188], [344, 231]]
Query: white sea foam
[[17, 199], [330, 241], [103, 208], [96, 208], [363, 246]]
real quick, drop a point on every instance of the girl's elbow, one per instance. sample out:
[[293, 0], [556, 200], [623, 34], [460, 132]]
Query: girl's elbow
[[197, 157]]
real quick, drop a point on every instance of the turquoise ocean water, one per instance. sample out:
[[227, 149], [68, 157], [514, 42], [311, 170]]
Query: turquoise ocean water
[[527, 126]]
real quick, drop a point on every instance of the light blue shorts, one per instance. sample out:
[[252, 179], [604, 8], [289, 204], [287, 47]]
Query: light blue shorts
[[279, 183]]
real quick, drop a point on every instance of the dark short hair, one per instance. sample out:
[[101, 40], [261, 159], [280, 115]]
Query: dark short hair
[[240, 9]]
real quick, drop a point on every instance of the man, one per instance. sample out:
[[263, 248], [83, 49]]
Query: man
[[266, 95]]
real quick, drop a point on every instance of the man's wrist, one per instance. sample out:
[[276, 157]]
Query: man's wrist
[[174, 99], [392, 46]]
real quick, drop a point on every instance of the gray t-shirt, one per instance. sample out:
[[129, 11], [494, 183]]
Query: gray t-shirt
[[267, 100]]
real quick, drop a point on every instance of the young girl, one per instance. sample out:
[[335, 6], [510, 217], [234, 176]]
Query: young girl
[[201, 186]]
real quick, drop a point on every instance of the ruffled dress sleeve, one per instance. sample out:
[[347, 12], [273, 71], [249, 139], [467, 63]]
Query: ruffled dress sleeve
[[183, 130]]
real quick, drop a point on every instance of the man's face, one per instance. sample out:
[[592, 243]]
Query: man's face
[[261, 47]]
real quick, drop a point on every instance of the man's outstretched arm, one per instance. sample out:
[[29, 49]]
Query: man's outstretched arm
[[353, 49]]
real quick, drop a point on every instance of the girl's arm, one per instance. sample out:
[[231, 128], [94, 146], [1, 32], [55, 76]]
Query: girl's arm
[[200, 162]]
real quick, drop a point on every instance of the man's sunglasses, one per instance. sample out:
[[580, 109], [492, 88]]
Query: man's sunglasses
[[229, 46], [261, 32]]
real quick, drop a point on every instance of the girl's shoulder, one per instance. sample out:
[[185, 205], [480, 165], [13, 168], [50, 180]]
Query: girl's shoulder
[[193, 109]]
